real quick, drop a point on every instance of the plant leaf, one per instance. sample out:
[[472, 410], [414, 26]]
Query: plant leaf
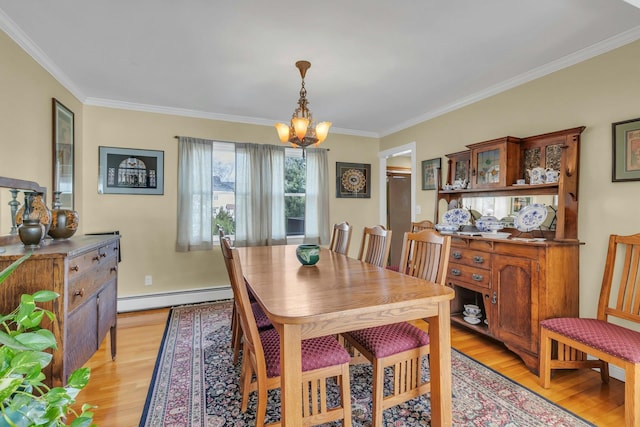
[[45, 296], [7, 271], [79, 378], [38, 340], [24, 362], [8, 386]]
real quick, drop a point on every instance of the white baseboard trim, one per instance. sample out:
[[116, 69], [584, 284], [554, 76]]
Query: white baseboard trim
[[168, 299], [616, 372]]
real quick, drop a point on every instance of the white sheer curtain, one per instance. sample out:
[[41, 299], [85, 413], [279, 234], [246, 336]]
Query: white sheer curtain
[[316, 211], [260, 217], [195, 187]]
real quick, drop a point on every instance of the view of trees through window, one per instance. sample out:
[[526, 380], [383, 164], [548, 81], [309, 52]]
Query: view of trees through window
[[224, 182]]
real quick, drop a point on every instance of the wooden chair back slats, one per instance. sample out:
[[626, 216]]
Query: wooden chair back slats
[[425, 254], [341, 238], [627, 302], [375, 246], [421, 225]]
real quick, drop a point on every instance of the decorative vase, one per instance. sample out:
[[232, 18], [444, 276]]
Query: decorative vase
[[64, 222], [31, 232], [37, 209], [308, 254]]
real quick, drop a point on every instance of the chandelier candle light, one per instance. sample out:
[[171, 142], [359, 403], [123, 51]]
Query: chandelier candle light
[[303, 131]]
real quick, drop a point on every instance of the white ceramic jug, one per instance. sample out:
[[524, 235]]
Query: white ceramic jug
[[552, 175], [537, 175]]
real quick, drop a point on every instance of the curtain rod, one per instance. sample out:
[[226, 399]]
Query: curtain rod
[[328, 149]]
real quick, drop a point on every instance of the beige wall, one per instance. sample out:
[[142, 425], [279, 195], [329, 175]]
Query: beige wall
[[148, 223], [594, 94]]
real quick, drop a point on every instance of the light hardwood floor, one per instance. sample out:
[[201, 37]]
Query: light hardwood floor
[[119, 388]]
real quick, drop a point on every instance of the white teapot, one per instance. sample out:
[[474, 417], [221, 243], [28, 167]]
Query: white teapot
[[551, 175], [537, 175]]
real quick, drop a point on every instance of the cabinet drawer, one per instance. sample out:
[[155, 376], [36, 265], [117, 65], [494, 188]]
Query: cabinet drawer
[[108, 251], [469, 274], [470, 257], [83, 263], [83, 287]]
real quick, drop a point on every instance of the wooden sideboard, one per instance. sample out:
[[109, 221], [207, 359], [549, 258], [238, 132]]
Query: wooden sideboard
[[517, 283], [84, 271]]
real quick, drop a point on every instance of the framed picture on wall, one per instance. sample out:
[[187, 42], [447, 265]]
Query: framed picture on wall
[[626, 150], [353, 180], [130, 171], [431, 173], [63, 153]]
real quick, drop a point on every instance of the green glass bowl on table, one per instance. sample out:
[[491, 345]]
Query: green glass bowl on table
[[308, 255]]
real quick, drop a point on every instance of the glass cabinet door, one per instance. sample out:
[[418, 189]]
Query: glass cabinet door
[[488, 167]]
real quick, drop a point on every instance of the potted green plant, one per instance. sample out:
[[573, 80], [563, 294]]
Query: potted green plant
[[24, 399]]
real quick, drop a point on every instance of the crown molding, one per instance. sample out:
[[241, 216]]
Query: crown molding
[[604, 46]]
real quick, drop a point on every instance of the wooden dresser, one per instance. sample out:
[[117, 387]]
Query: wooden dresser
[[84, 271]]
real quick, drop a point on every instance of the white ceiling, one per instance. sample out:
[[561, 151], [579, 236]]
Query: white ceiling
[[377, 66]]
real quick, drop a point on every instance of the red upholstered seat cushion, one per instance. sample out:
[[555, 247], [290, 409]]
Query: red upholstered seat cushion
[[386, 340], [316, 352], [262, 320], [619, 341]]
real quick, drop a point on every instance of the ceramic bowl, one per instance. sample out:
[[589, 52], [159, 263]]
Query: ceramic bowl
[[308, 255], [447, 228]]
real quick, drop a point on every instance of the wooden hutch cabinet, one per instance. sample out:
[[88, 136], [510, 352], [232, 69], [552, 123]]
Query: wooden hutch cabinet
[[84, 271], [519, 281]]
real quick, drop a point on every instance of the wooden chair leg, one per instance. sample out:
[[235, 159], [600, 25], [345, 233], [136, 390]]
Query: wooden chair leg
[[545, 359], [631, 394], [345, 395], [378, 393]]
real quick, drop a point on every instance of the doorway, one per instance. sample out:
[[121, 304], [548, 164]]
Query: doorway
[[398, 208], [408, 151]]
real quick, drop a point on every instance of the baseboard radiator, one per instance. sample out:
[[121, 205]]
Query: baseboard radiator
[[169, 299]]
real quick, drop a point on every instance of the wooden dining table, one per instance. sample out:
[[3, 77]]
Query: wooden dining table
[[341, 294]]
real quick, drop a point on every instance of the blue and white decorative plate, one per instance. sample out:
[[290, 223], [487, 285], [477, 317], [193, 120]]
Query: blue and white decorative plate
[[531, 217], [456, 216]]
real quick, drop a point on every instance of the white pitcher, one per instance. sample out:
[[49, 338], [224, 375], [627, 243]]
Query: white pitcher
[[537, 175], [551, 175]]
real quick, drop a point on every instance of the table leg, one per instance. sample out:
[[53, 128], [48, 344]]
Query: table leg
[[440, 366], [291, 374]]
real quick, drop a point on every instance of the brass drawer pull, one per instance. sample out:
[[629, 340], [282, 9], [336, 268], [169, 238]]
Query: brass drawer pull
[[477, 277], [457, 255], [79, 292], [478, 259], [113, 269], [455, 272], [74, 268], [103, 255]]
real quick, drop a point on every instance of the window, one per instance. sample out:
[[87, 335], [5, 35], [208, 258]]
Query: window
[[295, 181], [224, 179], [224, 187], [259, 194]]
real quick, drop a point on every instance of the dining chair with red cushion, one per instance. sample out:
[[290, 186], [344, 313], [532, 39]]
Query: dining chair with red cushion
[[323, 359], [402, 346], [565, 343]]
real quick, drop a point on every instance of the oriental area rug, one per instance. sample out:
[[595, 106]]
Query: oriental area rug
[[196, 384]]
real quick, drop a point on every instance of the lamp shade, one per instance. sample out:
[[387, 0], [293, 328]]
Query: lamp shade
[[322, 130], [300, 125], [283, 132]]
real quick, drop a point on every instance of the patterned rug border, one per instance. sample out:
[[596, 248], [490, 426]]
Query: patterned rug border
[[172, 311]]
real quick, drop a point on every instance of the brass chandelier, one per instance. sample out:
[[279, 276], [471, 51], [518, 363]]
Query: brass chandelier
[[303, 131]]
